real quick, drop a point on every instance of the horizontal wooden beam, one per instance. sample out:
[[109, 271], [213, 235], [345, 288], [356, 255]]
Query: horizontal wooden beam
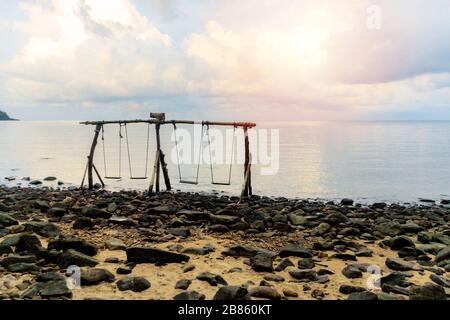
[[155, 121]]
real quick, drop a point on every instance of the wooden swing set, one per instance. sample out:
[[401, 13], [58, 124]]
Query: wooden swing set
[[159, 119]]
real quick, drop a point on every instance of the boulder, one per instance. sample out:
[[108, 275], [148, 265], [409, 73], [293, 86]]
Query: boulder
[[71, 242], [93, 276], [211, 278], [153, 255], [293, 250], [228, 293], [135, 284]]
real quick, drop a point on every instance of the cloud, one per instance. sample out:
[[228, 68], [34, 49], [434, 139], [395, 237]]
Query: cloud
[[91, 50], [300, 58]]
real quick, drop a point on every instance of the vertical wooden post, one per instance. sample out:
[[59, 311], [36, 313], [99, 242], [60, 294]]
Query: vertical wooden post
[[158, 150], [247, 166], [91, 157], [165, 172]]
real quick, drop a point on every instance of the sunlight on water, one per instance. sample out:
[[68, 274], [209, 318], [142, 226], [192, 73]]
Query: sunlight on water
[[391, 161]]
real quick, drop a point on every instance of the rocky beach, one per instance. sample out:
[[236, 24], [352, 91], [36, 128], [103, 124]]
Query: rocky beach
[[72, 244]]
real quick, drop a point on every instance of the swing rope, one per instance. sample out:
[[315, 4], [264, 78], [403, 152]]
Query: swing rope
[[181, 180], [120, 154], [211, 163], [132, 177]]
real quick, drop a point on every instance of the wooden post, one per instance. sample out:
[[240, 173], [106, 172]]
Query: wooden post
[[247, 166], [158, 150], [165, 172], [91, 157]]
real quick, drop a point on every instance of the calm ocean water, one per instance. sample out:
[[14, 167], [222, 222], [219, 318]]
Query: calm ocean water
[[367, 161]]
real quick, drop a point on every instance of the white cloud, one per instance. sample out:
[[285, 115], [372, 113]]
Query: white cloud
[[91, 49]]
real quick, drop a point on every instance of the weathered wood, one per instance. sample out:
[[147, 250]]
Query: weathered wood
[[156, 164], [91, 157], [84, 175], [165, 172], [247, 165], [155, 121], [99, 176]]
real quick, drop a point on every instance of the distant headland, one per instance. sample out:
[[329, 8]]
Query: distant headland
[[4, 116]]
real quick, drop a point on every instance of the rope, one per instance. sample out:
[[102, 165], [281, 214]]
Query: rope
[[178, 157], [146, 152], [176, 148], [231, 160], [104, 153], [128, 150]]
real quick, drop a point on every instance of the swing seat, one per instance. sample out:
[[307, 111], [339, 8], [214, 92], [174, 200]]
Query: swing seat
[[188, 182], [113, 178], [139, 178], [221, 183]]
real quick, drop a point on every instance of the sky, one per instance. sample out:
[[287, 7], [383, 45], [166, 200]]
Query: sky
[[225, 59]]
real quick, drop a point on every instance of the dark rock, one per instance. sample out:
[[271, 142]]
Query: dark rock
[[224, 219], [440, 280], [50, 179], [307, 263], [400, 265], [347, 202], [247, 252], [262, 262], [28, 243], [22, 268], [182, 232], [189, 295], [265, 292], [35, 182], [228, 293], [93, 212], [72, 257], [344, 256], [83, 223], [219, 228], [49, 276], [317, 294], [71, 242], [6, 220], [212, 279], [199, 251], [352, 271], [188, 267], [115, 244], [194, 215], [394, 278], [5, 262], [95, 276], [124, 270], [348, 289], [290, 293], [309, 275], [429, 291], [390, 228], [273, 278], [53, 289], [135, 284], [364, 295], [399, 242], [336, 218], [443, 255], [285, 263], [155, 256], [183, 284], [379, 205], [44, 229], [5, 249], [293, 250]]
